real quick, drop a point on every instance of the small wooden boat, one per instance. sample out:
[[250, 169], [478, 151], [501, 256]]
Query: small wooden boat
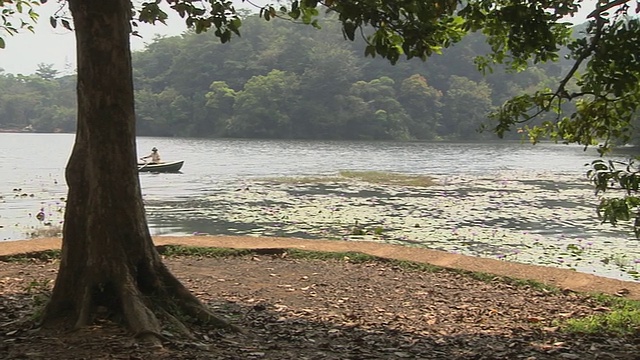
[[174, 166]]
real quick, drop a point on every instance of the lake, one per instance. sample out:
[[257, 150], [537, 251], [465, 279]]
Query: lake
[[503, 200]]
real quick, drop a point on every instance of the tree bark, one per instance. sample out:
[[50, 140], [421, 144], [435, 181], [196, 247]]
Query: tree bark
[[108, 258]]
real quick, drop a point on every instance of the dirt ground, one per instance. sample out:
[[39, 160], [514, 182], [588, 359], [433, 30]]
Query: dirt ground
[[324, 309]]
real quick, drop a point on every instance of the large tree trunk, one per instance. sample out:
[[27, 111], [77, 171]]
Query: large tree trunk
[[108, 257]]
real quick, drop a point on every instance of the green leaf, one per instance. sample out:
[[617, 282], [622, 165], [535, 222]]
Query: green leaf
[[349, 30], [294, 13], [370, 51]]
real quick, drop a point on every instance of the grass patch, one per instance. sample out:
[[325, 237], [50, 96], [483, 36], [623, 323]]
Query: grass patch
[[374, 177], [211, 252], [623, 318], [351, 256], [489, 278], [46, 255], [389, 178]]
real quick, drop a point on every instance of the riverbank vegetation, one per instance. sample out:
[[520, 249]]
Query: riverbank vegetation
[[285, 80]]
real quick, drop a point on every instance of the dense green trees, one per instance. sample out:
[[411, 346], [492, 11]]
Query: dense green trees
[[262, 115], [469, 102], [226, 90], [397, 101], [40, 102], [423, 106]]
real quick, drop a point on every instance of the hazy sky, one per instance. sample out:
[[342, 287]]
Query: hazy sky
[[57, 46], [47, 45]]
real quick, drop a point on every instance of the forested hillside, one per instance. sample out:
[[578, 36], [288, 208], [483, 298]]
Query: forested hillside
[[285, 80]]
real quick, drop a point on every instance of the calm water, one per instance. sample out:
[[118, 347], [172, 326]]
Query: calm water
[[488, 193], [35, 162]]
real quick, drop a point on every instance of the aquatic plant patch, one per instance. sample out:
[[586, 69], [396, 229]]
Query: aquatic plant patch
[[531, 218], [542, 218], [34, 208]]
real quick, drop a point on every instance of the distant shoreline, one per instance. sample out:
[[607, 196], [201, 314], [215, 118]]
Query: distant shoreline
[[14, 131], [31, 131]]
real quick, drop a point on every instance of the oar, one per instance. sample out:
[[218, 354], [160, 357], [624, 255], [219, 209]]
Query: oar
[[143, 166]]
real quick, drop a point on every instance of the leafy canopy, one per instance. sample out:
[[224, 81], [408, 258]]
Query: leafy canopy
[[517, 30], [17, 15]]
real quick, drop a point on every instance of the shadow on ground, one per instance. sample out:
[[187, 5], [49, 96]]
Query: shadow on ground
[[323, 309]]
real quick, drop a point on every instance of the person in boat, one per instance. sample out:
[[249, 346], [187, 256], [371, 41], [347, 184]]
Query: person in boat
[[154, 156]]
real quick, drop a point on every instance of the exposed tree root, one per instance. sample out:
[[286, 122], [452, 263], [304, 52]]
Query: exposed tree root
[[203, 314], [180, 327], [148, 335], [142, 307], [190, 304], [86, 310], [139, 318]]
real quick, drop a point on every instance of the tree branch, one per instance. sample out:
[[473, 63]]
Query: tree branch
[[600, 9], [561, 92]]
